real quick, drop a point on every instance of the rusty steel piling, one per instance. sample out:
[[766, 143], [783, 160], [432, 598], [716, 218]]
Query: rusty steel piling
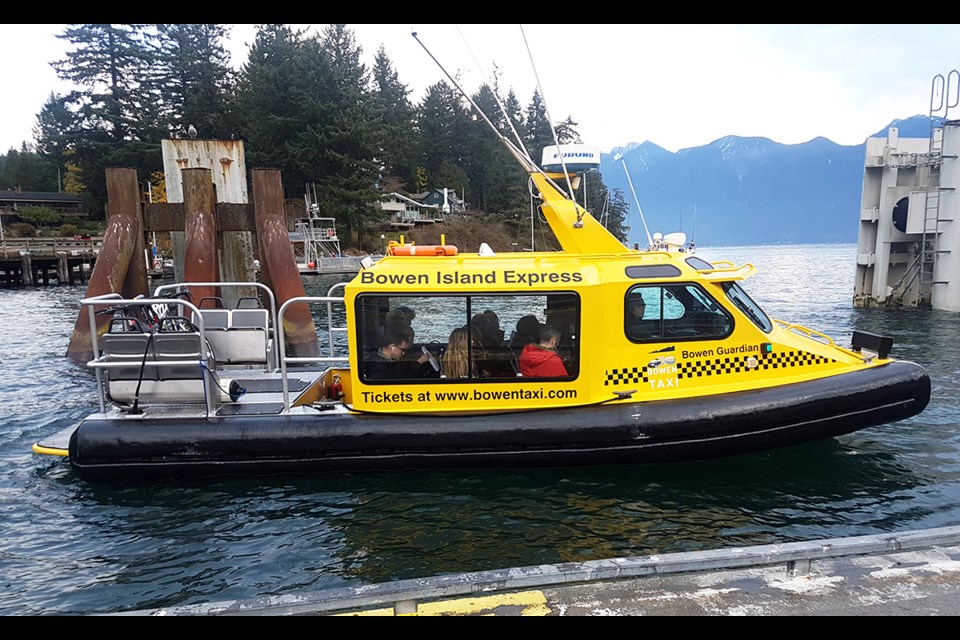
[[278, 269], [118, 267], [200, 258]]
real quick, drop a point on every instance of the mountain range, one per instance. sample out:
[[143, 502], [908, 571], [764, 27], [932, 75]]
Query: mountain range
[[746, 191]]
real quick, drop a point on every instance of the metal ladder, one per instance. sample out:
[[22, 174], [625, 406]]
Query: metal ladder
[[941, 101], [931, 211]]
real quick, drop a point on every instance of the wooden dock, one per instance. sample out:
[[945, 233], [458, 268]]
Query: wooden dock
[[27, 262]]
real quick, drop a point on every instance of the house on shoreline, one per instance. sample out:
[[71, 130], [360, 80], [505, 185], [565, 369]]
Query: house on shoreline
[[12, 201], [430, 207]]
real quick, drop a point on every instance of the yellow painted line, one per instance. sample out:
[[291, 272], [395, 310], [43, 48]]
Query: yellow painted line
[[50, 451], [525, 603]]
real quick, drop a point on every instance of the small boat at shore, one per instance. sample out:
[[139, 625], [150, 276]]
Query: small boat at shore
[[316, 244], [596, 354]]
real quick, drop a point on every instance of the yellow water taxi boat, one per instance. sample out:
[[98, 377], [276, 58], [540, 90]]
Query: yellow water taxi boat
[[595, 354], [592, 355]]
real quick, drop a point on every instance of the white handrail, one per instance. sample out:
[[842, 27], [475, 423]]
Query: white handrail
[[284, 359]]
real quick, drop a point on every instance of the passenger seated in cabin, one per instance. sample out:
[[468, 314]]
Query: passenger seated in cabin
[[399, 318], [541, 360], [455, 359], [389, 362], [486, 327], [493, 359], [528, 330]]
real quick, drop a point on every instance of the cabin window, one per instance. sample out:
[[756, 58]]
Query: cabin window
[[655, 313], [699, 264], [745, 303], [480, 337]]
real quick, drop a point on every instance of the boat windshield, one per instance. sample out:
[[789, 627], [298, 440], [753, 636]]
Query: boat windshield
[[745, 303]]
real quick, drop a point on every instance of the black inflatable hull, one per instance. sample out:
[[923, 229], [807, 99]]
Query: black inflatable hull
[[613, 433]]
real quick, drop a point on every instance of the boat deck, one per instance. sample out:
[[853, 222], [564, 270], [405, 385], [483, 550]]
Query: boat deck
[[263, 396]]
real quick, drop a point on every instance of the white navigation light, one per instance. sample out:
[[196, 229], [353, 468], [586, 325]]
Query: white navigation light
[[577, 158]]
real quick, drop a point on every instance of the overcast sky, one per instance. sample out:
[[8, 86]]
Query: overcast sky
[[678, 86]]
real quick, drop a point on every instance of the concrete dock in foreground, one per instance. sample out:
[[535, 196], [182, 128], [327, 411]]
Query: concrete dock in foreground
[[910, 573]]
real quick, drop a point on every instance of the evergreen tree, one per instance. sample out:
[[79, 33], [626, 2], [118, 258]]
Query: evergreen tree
[[615, 215], [57, 126], [285, 73], [69, 149], [539, 132], [27, 169], [111, 62], [194, 77], [610, 209], [57, 133], [397, 135], [497, 181], [344, 139], [515, 114], [439, 120], [115, 115], [303, 104]]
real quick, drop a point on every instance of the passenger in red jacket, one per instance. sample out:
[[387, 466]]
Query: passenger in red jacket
[[541, 360]]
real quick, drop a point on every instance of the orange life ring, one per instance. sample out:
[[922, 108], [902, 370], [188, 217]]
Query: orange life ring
[[421, 250]]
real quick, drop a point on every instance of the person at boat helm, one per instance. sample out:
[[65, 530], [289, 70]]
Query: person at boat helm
[[637, 308], [389, 362], [541, 360], [637, 327]]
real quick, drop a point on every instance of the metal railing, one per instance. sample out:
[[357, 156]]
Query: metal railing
[[271, 330], [99, 364], [331, 358], [275, 331]]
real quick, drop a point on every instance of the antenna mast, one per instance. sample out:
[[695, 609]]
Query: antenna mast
[[642, 219], [521, 155], [553, 130]]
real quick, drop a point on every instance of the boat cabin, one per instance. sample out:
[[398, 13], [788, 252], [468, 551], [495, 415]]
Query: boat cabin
[[648, 325]]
